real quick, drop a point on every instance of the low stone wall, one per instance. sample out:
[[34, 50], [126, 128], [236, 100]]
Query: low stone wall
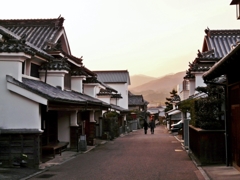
[[208, 146], [15, 144]]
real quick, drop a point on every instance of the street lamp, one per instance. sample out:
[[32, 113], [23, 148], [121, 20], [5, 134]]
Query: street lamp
[[237, 3]]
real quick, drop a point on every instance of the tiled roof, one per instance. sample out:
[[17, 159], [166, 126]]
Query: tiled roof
[[89, 72], [216, 45], [116, 96], [14, 43], [121, 76], [224, 65], [79, 71], [56, 64], [53, 93], [75, 59], [40, 33], [135, 100], [36, 31], [104, 92], [220, 41], [234, 2], [95, 80], [91, 80], [118, 108], [175, 98]]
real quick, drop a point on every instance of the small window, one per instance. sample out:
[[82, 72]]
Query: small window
[[34, 70], [67, 81], [23, 67]]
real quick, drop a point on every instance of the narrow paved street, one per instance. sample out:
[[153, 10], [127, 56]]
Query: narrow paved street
[[134, 156]]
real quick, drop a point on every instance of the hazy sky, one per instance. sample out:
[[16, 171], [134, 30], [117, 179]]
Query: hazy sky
[[150, 37]]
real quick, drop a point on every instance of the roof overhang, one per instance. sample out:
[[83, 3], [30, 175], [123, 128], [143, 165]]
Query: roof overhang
[[27, 94], [218, 69], [63, 106], [54, 98], [234, 2], [118, 108]]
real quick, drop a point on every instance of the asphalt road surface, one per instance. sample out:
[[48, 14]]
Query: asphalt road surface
[[135, 156]]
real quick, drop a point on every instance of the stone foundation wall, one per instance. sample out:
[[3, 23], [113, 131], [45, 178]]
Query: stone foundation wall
[[16, 144]]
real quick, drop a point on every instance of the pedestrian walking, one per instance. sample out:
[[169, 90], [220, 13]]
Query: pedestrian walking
[[145, 126], [152, 126]]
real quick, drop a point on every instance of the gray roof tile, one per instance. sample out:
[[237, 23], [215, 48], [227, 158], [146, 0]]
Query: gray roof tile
[[119, 108], [14, 43], [118, 76], [220, 41], [37, 31], [216, 45], [53, 93]]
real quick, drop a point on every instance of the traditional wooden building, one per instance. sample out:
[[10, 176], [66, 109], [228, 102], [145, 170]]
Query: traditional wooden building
[[136, 102], [47, 98], [225, 73], [216, 45]]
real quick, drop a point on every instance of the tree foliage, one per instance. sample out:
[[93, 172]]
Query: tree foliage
[[208, 109], [168, 103]]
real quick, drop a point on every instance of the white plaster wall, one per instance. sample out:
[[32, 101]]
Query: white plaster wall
[[185, 94], [123, 90], [16, 111], [191, 87], [199, 80], [76, 83], [114, 101], [89, 90], [105, 99], [11, 68], [54, 78], [63, 126]]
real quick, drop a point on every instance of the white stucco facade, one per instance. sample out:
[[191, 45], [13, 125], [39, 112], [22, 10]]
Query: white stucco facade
[[54, 77], [63, 126], [123, 90], [192, 87], [105, 99], [76, 83], [199, 80], [14, 107], [90, 89]]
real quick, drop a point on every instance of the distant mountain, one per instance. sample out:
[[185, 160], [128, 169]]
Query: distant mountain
[[138, 80], [156, 91]]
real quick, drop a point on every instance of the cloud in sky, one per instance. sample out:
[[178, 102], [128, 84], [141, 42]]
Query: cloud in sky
[[151, 37]]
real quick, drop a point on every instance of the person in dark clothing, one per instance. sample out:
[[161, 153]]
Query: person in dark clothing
[[152, 126], [145, 126]]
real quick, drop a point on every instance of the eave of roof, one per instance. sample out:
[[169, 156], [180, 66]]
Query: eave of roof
[[220, 40], [55, 94], [118, 108], [234, 2], [217, 70]]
